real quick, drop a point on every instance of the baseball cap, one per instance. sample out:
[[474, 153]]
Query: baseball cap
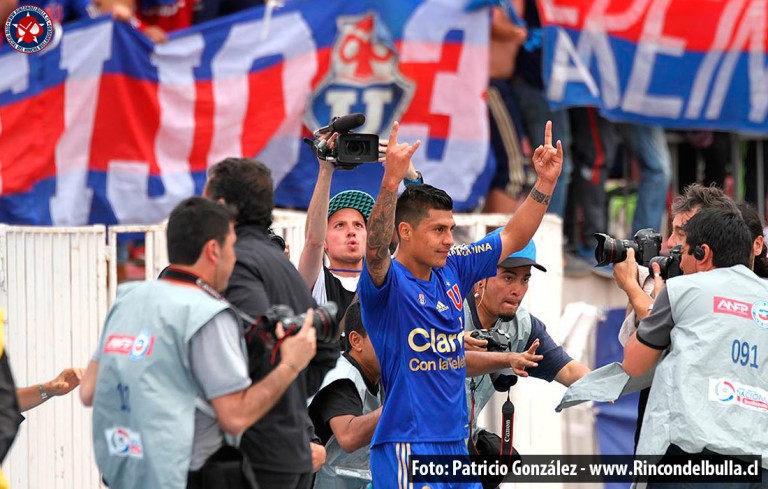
[[361, 201], [522, 258]]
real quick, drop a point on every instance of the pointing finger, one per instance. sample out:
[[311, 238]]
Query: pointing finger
[[548, 134], [393, 134]]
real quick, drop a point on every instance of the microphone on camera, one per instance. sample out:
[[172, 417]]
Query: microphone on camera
[[342, 124]]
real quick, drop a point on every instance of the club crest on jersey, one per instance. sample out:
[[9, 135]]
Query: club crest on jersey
[[363, 76], [28, 29], [422, 299], [455, 296]]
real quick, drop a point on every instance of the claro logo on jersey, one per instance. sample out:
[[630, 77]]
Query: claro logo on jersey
[[363, 76], [422, 340], [137, 347]]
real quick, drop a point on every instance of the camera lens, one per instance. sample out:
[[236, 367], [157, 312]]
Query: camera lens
[[610, 250], [324, 321], [355, 148]]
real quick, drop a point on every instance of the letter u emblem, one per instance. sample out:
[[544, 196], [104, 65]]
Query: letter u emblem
[[455, 296]]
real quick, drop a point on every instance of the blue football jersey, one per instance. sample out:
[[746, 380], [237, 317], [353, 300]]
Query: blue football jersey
[[416, 328]]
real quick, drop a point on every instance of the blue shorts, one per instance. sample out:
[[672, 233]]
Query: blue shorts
[[390, 464]]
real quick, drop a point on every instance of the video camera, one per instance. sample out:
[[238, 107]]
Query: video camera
[[350, 149], [647, 244], [324, 321]]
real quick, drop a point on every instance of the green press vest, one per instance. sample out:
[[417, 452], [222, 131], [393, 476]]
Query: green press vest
[[519, 331], [144, 403], [344, 470], [711, 391]]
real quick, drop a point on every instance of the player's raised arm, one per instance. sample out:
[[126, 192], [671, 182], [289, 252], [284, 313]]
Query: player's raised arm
[[382, 220], [548, 161]]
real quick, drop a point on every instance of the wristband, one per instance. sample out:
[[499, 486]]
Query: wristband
[[43, 394], [416, 181]]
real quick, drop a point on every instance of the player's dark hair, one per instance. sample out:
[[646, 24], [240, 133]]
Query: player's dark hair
[[417, 200]]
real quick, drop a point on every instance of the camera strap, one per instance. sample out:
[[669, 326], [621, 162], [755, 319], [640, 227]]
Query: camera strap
[[472, 389], [507, 428], [172, 273]]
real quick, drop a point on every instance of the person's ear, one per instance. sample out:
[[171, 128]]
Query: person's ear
[[757, 246], [355, 340], [212, 250], [404, 230]]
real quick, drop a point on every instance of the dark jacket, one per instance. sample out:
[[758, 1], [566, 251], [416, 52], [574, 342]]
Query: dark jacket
[[263, 277]]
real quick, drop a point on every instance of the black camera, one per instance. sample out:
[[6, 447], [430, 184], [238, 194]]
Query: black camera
[[276, 239], [350, 150], [324, 321], [669, 265], [647, 244], [354, 149], [497, 339]]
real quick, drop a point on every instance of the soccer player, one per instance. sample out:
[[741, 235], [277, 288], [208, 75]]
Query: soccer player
[[412, 307]]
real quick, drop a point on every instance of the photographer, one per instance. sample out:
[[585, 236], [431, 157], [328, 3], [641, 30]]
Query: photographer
[[170, 373], [713, 321], [338, 229], [629, 275], [346, 409], [496, 308], [279, 444]]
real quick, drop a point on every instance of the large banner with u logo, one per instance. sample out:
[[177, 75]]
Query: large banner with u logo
[[103, 127], [676, 63]]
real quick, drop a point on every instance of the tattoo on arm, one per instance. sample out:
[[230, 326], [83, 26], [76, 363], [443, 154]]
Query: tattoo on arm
[[380, 226], [540, 197]]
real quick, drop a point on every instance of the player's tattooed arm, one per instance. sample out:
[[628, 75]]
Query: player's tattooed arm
[[382, 220], [380, 226]]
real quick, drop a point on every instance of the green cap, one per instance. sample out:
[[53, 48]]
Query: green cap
[[352, 199]]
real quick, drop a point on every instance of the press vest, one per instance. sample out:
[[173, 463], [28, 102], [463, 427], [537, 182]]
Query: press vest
[[144, 403], [344, 470], [711, 390], [519, 331]]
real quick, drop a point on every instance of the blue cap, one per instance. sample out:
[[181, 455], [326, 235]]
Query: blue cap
[[524, 257]]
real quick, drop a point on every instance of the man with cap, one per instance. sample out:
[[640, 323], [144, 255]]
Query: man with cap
[[337, 228], [346, 409], [496, 304]]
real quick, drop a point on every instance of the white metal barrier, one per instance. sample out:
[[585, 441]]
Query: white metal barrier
[[54, 292], [56, 285]]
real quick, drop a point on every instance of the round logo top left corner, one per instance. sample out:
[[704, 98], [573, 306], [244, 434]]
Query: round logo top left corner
[[29, 29]]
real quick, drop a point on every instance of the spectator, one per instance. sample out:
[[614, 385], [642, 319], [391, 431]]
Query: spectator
[[755, 225]]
